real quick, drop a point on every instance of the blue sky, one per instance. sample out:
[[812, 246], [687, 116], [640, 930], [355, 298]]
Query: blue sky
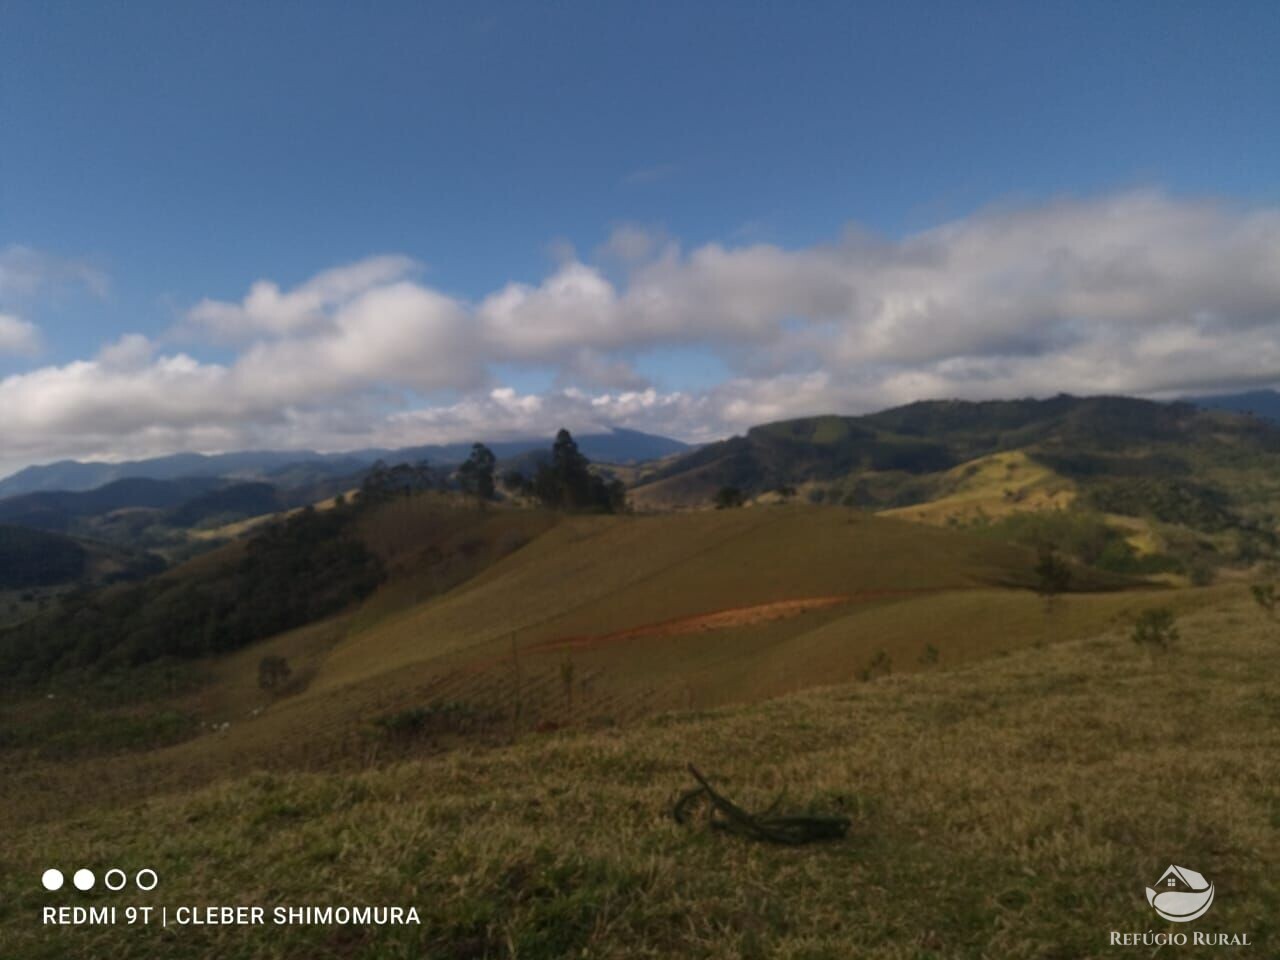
[[157, 157]]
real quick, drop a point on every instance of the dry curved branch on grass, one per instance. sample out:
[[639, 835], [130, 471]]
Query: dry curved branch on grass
[[724, 814]]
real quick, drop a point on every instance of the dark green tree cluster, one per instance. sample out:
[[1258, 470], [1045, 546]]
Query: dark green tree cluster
[[1083, 535], [1168, 500], [727, 498], [384, 482], [475, 476], [34, 558], [295, 571], [567, 482]]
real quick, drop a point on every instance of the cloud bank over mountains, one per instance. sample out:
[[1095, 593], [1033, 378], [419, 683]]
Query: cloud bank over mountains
[[1135, 292]]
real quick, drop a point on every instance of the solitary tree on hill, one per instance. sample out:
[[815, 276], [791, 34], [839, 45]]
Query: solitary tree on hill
[[1053, 575]]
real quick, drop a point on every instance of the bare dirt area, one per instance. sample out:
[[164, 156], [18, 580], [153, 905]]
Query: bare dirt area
[[725, 619]]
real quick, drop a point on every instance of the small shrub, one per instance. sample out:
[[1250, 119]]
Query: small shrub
[[930, 655], [727, 498], [272, 672], [1265, 596], [1155, 630], [403, 724], [881, 665], [1053, 576], [437, 717], [1201, 574]]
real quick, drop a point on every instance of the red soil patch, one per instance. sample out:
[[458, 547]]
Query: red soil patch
[[716, 620]]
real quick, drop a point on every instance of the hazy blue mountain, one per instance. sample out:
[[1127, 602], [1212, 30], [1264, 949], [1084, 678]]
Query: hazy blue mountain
[[228, 504], [628, 446], [58, 509], [289, 468], [1261, 403], [74, 475]]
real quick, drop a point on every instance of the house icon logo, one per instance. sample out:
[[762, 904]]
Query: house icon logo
[[1181, 895]]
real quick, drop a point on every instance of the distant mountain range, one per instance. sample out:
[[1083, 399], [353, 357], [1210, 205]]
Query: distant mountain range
[[299, 467], [56, 510], [1260, 403]]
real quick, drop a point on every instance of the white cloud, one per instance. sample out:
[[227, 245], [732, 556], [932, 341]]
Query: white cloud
[[18, 336], [631, 243], [24, 272], [132, 352], [1134, 292], [266, 310]]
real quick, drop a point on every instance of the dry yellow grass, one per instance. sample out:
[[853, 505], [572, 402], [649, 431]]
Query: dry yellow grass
[[903, 588], [1013, 808], [992, 487], [230, 531], [1011, 482]]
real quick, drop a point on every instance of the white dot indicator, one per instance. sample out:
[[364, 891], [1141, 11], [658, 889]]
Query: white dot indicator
[[151, 879], [110, 875], [52, 879], [83, 879]]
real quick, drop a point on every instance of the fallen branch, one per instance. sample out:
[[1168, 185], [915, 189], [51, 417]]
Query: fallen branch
[[724, 814]]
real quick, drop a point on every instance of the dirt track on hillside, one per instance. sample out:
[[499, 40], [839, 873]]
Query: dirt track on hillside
[[717, 620]]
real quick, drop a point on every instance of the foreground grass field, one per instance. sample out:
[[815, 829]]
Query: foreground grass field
[[1014, 807]]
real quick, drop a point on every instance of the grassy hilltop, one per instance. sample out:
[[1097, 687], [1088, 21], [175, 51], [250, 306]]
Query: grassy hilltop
[[490, 624]]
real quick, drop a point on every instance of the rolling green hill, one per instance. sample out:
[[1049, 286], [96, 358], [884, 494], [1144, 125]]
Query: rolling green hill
[[61, 510], [1080, 438], [1211, 477], [501, 717], [517, 619]]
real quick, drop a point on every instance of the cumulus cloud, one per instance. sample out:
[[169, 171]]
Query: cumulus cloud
[[1136, 292], [630, 243], [132, 399], [267, 310], [18, 336]]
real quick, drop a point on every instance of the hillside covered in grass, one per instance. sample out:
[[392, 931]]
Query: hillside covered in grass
[[485, 711], [1193, 491], [489, 624], [1015, 808]]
